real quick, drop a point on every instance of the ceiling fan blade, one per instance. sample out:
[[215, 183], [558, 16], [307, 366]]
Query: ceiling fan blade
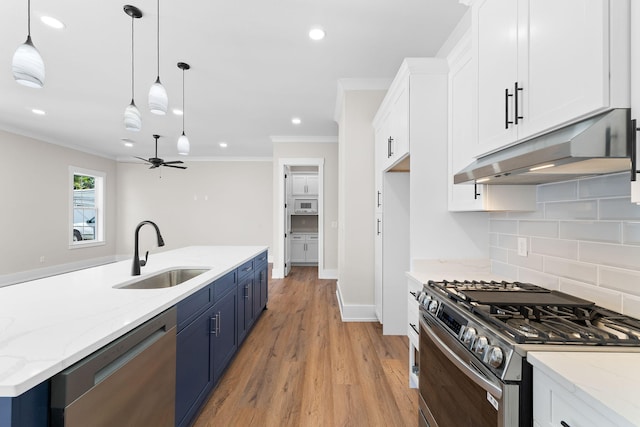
[[153, 166], [173, 166], [144, 160], [173, 162]]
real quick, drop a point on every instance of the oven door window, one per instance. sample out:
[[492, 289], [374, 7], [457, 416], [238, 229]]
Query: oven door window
[[451, 397]]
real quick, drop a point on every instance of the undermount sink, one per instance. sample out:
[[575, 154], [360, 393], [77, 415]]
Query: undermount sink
[[165, 279]]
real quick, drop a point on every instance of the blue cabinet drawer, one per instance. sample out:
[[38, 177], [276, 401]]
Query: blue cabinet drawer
[[190, 307], [245, 269], [260, 260], [224, 285]]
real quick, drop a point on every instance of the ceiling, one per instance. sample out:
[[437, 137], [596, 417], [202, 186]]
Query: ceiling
[[253, 68]]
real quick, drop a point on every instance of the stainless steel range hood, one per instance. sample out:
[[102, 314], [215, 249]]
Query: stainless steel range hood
[[595, 146]]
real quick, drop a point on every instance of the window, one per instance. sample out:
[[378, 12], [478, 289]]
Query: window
[[87, 207]]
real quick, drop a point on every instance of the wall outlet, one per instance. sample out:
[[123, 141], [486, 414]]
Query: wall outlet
[[522, 246]]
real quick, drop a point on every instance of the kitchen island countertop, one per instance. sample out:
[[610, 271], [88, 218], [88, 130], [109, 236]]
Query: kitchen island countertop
[[49, 324]]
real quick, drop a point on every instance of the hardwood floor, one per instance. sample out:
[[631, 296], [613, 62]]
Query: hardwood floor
[[302, 366]]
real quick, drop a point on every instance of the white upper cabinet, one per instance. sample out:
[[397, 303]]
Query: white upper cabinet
[[545, 63], [304, 185], [463, 139]]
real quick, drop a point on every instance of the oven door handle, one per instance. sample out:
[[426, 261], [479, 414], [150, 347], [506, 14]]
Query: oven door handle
[[464, 367]]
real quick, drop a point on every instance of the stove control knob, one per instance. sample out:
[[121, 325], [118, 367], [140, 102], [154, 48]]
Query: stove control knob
[[433, 306], [480, 345], [468, 336], [425, 301], [495, 356]]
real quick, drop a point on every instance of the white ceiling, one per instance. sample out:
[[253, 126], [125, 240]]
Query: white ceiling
[[253, 68]]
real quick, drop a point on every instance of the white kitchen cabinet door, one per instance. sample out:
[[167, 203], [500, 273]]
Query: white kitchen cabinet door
[[543, 64], [312, 249], [312, 185], [566, 72], [496, 49], [298, 185], [377, 249], [398, 145], [380, 153], [462, 140], [298, 244]]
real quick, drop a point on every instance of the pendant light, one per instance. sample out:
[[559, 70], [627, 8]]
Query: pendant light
[[132, 118], [27, 64], [183, 141], [158, 99]]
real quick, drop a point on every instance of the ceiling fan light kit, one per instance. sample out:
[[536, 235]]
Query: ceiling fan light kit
[[27, 64]]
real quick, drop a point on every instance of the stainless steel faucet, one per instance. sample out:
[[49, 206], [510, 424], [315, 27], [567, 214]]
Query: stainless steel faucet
[[137, 262]]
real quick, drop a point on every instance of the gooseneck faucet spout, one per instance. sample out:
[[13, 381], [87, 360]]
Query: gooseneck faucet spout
[[137, 263]]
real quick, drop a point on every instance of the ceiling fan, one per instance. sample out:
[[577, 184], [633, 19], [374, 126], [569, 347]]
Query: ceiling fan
[[156, 161]]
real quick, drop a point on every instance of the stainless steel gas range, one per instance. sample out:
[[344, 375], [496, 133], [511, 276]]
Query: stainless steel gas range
[[474, 337]]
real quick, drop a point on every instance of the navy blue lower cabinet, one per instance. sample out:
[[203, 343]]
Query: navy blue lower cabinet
[[245, 306], [225, 340], [194, 376], [262, 279], [30, 409]]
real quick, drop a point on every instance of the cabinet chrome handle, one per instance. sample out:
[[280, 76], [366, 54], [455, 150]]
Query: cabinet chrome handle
[[379, 194], [378, 227], [517, 115], [218, 326], [389, 149], [246, 293], [507, 122], [214, 326]]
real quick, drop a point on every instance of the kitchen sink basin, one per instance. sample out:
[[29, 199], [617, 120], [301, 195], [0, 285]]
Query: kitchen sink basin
[[166, 279]]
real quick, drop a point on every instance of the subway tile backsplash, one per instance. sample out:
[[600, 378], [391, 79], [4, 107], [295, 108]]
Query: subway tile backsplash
[[583, 239]]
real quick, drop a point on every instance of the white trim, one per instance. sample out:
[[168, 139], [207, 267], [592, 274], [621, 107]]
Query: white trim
[[345, 85], [328, 274], [282, 162], [277, 273], [329, 139], [39, 273], [355, 312]]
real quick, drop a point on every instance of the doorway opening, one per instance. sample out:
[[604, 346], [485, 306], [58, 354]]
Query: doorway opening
[[300, 215]]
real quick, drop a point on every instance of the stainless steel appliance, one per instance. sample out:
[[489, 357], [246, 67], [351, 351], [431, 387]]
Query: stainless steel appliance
[[305, 206], [474, 337], [129, 382]]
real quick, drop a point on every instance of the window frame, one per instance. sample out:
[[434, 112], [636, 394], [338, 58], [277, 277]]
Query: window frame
[[100, 203]]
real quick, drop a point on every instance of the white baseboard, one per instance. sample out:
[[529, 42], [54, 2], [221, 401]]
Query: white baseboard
[[355, 312], [277, 273], [328, 274]]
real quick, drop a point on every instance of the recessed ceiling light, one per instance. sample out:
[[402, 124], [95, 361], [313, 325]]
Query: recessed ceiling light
[[296, 120], [316, 33], [38, 111], [223, 145], [52, 22], [127, 142], [177, 111]]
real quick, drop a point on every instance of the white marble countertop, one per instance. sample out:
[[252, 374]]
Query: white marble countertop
[[49, 324], [607, 382]]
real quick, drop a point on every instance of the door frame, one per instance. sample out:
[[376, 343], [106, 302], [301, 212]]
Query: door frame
[[278, 267]]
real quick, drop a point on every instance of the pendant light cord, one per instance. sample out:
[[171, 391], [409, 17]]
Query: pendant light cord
[[132, 58], [158, 38], [29, 18], [183, 112]]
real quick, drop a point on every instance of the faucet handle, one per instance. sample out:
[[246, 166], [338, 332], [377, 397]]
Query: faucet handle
[[143, 262]]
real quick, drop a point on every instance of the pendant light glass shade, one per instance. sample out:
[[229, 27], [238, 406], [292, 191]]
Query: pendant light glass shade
[[183, 145], [132, 117], [183, 141], [27, 64], [158, 99]]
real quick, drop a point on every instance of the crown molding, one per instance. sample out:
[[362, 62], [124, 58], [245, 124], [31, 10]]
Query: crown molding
[[305, 139]]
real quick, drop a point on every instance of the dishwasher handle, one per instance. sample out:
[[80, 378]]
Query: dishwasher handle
[[76, 380]]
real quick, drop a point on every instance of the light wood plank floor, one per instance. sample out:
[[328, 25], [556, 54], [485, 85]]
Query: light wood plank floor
[[302, 366]]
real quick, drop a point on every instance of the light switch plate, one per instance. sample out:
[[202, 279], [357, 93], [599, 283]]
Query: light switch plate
[[522, 246]]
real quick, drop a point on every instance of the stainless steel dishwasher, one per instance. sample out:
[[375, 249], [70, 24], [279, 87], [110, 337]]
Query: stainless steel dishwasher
[[129, 382]]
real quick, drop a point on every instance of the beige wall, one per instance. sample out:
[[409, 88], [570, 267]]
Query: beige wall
[[328, 152], [34, 178], [356, 149], [210, 203]]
